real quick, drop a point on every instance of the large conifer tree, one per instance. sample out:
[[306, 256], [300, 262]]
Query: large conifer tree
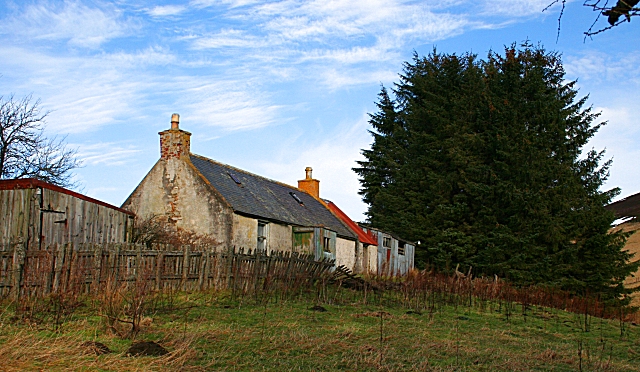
[[481, 161]]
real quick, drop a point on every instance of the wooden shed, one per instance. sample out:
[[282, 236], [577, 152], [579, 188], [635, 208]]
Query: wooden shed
[[41, 214]]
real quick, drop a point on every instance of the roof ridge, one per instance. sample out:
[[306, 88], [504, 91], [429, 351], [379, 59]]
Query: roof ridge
[[265, 197], [27, 183], [246, 172]]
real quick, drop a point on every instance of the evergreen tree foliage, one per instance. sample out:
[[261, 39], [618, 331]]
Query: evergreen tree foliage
[[482, 162]]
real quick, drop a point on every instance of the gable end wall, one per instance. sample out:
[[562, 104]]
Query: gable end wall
[[174, 189]]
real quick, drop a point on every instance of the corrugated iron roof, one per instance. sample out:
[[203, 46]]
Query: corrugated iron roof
[[32, 183], [627, 207], [364, 236], [371, 230], [264, 198]]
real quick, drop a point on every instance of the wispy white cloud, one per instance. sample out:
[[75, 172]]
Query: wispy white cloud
[[517, 8], [350, 55], [151, 56], [331, 156], [230, 3], [166, 10], [620, 139], [306, 20], [228, 38], [322, 40], [106, 154], [92, 107], [84, 93], [598, 66], [71, 21], [227, 105], [336, 79], [90, 92]]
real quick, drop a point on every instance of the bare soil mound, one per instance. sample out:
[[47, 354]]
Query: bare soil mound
[[146, 348]]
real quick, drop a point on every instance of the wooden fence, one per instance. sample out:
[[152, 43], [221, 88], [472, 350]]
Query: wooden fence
[[89, 267]]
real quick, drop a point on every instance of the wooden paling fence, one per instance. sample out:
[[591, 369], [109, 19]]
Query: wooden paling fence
[[88, 267]]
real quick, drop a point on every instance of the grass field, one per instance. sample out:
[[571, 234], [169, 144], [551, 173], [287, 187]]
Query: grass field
[[220, 332]]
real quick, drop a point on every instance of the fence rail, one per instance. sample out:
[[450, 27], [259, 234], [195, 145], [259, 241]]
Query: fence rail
[[89, 267]]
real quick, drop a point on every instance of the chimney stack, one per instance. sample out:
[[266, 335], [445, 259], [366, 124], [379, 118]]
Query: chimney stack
[[175, 121], [175, 143], [310, 185]]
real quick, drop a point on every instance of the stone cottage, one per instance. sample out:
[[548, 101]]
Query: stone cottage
[[238, 208]]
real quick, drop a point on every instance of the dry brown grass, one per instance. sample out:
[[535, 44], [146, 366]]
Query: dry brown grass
[[25, 350]]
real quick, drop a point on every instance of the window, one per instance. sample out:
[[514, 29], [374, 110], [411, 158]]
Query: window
[[262, 235], [386, 242], [294, 196], [327, 244], [401, 246], [234, 178]]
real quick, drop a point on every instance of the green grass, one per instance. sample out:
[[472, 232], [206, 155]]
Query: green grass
[[214, 331]]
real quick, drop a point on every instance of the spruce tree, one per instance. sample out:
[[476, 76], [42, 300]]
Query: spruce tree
[[482, 162]]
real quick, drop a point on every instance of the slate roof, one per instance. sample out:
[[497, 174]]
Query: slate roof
[[627, 207], [264, 198]]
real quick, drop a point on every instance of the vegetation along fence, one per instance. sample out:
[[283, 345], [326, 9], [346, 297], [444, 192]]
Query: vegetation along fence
[[89, 267]]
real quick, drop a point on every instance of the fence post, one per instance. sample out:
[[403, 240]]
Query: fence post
[[116, 264], [207, 268], [18, 267], [230, 257], [203, 264], [57, 268], [139, 273], [256, 269], [185, 267], [159, 265], [48, 283], [97, 266], [72, 267]]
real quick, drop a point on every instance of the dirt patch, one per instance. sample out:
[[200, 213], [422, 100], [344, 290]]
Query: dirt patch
[[318, 308], [146, 348], [97, 348]]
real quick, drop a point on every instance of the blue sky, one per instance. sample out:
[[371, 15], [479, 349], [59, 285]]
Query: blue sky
[[275, 86]]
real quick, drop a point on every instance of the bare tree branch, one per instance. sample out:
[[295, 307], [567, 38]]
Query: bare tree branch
[[626, 8], [24, 150]]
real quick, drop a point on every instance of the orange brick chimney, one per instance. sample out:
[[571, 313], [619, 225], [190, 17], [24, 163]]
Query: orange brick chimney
[[174, 142], [309, 185]]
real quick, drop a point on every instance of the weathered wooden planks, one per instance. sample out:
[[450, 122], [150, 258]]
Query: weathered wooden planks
[[89, 267], [41, 217]]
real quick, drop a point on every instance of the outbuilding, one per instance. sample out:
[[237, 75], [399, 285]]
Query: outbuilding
[[41, 214]]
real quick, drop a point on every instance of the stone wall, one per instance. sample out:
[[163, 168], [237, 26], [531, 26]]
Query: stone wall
[[174, 189], [345, 253], [245, 232], [280, 237]]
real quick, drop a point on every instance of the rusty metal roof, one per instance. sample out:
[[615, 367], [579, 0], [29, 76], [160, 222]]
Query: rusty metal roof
[[365, 237], [32, 183], [627, 207], [264, 198]]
